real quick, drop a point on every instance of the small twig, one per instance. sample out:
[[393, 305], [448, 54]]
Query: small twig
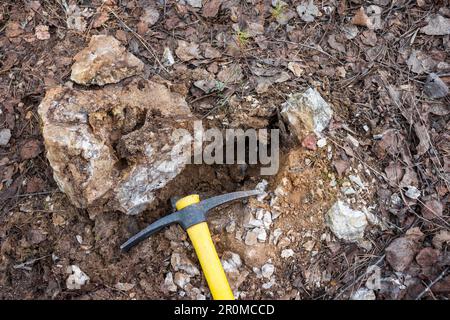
[[307, 47], [428, 288], [26, 265], [33, 194], [359, 278]]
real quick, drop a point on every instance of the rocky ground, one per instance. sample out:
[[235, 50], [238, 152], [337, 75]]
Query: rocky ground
[[358, 90]]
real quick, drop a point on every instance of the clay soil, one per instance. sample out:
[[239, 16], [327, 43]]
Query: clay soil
[[369, 80]]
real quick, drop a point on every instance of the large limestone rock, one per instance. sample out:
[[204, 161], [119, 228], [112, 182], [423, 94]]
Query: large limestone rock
[[104, 61], [306, 112], [110, 149]]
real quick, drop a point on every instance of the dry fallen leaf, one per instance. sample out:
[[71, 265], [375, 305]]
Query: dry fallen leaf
[[13, 29], [341, 167], [30, 149], [211, 8], [432, 209], [187, 51], [434, 87], [424, 140], [296, 68], [334, 44], [437, 26], [42, 33], [361, 19], [394, 173], [307, 11], [100, 19]]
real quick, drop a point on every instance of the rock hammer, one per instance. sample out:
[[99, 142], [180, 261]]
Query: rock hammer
[[191, 215]]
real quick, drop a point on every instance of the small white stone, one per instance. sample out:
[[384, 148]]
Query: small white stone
[[262, 186], [412, 192], [233, 263], [309, 245], [79, 239], [267, 270], [357, 180], [346, 223], [231, 227], [5, 135], [169, 283], [269, 284], [168, 59], [276, 235], [182, 262], [251, 238], [194, 3], [363, 294], [181, 279], [287, 253], [262, 235], [77, 279], [267, 219], [348, 191], [321, 142]]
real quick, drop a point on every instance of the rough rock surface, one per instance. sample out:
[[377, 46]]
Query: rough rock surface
[[363, 294], [77, 278], [306, 113], [346, 223], [104, 61], [111, 148]]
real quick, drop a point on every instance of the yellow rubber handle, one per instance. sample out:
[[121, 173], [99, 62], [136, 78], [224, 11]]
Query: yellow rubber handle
[[207, 255]]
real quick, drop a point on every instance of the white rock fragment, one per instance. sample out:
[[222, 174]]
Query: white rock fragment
[[181, 279], [346, 223], [123, 286], [269, 284], [262, 186], [267, 270], [251, 238], [321, 142], [306, 112], [233, 263], [105, 60], [5, 135], [309, 245], [168, 59], [348, 191], [287, 253], [194, 3], [276, 235], [231, 227], [412, 192], [261, 234], [267, 219], [357, 180], [182, 262], [169, 284], [363, 294], [77, 278]]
